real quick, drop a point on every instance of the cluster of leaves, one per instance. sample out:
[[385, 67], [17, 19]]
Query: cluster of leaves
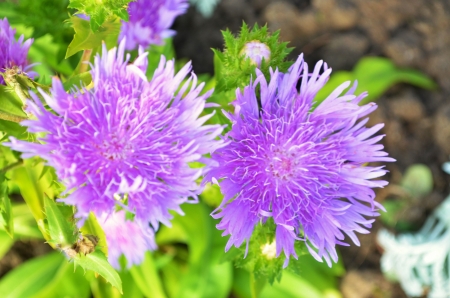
[[101, 11]]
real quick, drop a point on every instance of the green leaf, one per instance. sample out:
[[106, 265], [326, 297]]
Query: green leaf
[[147, 279], [97, 262], [24, 224], [5, 243], [92, 227], [375, 75], [85, 39], [61, 231], [130, 288], [6, 214], [81, 80], [205, 275], [10, 106], [32, 190], [31, 277], [66, 283]]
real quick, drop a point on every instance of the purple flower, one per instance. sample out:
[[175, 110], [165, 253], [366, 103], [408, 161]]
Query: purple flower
[[128, 142], [150, 21], [126, 237], [302, 166], [12, 52]]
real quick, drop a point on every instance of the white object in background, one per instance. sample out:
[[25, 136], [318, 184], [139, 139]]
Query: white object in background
[[205, 7], [420, 261]]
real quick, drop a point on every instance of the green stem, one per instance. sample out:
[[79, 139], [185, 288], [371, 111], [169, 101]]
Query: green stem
[[10, 117], [256, 285], [84, 62]]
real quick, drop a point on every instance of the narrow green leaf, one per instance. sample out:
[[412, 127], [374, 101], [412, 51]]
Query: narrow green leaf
[[86, 39], [60, 229], [6, 212], [32, 190], [98, 263], [375, 75], [5, 243], [31, 276], [147, 279], [92, 227], [24, 224], [130, 288], [66, 283]]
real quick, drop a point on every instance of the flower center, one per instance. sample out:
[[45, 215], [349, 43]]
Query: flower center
[[282, 164], [115, 148]]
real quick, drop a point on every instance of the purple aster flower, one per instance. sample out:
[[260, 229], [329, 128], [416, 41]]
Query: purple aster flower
[[128, 142], [126, 237], [150, 21], [302, 166], [13, 53]]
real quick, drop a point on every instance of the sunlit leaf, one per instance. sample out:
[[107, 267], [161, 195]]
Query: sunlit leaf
[[31, 277], [86, 39], [100, 11], [61, 231], [147, 279], [375, 75], [97, 262], [6, 213]]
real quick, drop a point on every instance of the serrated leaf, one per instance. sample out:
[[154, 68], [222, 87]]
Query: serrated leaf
[[97, 262], [85, 38], [60, 230]]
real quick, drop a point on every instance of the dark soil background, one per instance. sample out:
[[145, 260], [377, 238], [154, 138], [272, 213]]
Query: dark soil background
[[412, 33]]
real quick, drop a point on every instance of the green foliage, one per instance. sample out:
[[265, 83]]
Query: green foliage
[[234, 70], [101, 11], [85, 39], [416, 184], [47, 276], [62, 231], [45, 16], [196, 272], [97, 262], [375, 75], [147, 279], [6, 213]]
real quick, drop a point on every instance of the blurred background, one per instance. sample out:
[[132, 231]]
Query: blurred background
[[412, 37]]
